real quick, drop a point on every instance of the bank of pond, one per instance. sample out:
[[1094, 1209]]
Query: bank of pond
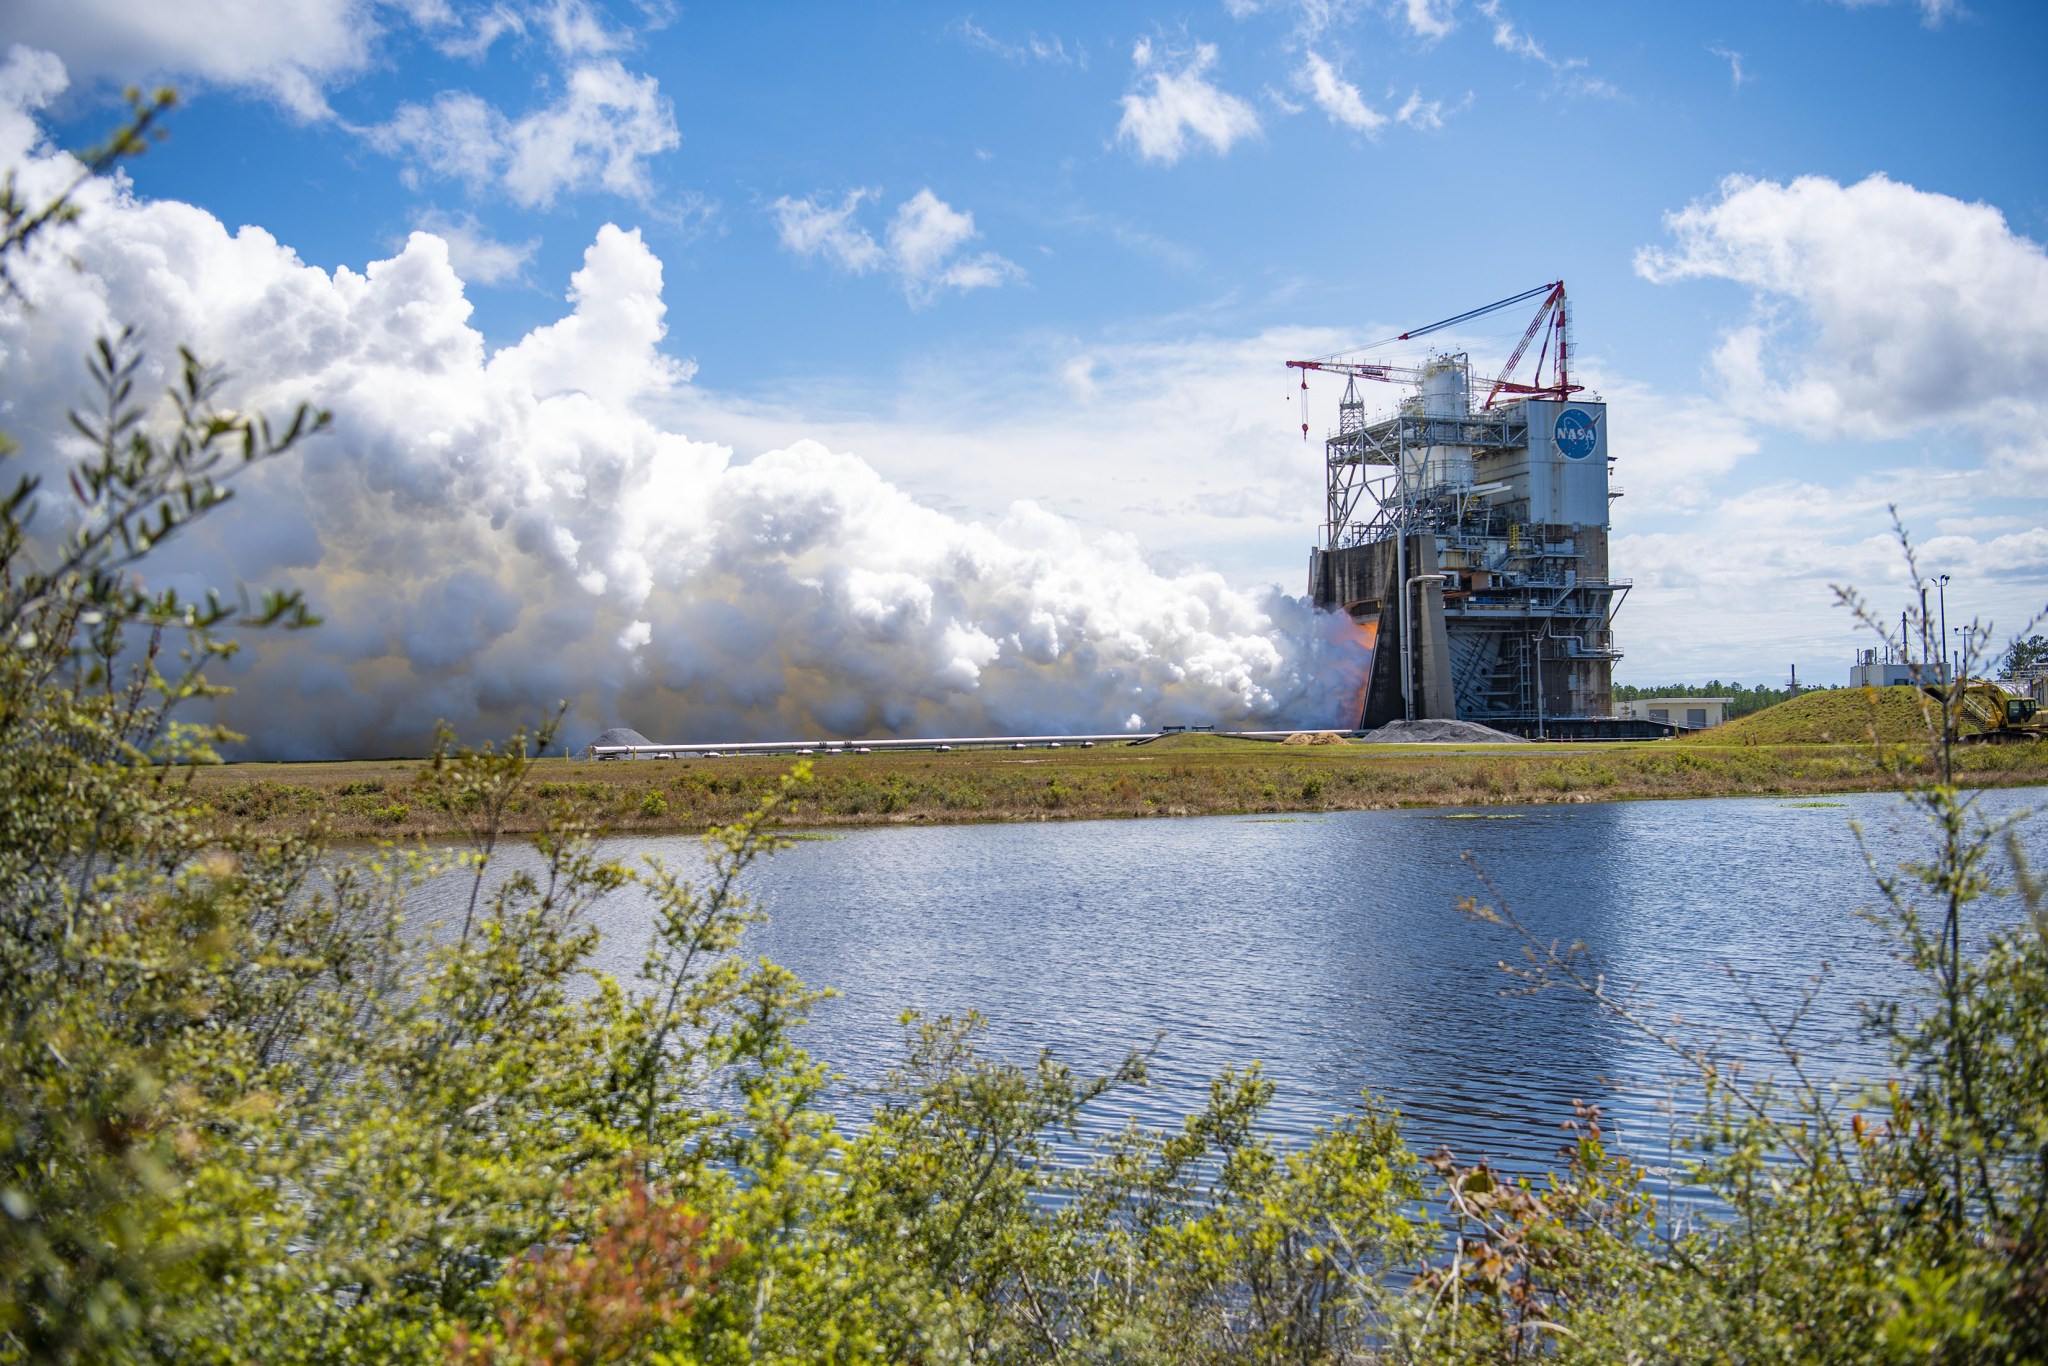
[[1178, 776]]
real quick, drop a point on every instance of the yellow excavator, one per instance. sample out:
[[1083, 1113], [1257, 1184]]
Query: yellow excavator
[[1986, 714]]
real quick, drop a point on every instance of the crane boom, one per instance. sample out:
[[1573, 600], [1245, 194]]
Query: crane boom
[[1472, 313], [1551, 300], [1552, 310]]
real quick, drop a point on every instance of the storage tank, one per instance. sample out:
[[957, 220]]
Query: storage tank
[[1447, 393]]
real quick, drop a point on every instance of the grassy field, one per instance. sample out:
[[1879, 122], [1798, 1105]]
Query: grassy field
[[1185, 775]]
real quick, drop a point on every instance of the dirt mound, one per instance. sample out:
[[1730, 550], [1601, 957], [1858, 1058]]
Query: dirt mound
[[1837, 716], [1314, 737], [1440, 733]]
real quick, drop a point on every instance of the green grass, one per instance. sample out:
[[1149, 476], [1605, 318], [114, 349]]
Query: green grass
[[1179, 776], [1891, 716]]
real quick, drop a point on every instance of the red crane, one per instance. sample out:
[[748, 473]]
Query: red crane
[[1551, 311]]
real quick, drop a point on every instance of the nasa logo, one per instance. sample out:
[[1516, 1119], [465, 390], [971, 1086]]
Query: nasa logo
[[1575, 434]]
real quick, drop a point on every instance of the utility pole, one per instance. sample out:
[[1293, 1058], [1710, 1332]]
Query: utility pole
[[1941, 588]]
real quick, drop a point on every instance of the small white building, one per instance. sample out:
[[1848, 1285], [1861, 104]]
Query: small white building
[[1688, 713], [1869, 671]]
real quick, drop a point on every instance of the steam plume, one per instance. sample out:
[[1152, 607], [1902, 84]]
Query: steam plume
[[487, 533]]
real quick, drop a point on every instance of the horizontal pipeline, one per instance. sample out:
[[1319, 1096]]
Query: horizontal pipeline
[[935, 742]]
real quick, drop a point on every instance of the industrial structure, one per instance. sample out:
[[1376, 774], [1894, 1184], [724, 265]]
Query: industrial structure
[[1688, 713], [1467, 534]]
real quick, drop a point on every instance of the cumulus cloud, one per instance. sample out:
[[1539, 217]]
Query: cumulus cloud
[[290, 50], [1338, 97], [925, 241], [487, 532], [925, 238], [475, 255], [600, 132], [1173, 105], [1879, 309]]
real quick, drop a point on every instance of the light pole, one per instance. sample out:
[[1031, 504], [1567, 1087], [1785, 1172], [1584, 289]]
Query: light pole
[[1941, 590], [1408, 640]]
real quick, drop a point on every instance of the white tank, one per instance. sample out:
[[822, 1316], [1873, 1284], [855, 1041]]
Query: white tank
[[1446, 387], [1447, 392]]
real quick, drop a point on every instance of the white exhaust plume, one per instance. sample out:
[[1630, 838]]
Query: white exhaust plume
[[488, 533]]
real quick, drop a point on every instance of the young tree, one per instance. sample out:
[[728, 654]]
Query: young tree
[[2022, 655]]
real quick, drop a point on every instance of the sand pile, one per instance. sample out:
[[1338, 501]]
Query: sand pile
[[1440, 733], [620, 735], [1314, 737]]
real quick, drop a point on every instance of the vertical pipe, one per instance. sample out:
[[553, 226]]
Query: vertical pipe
[[1407, 635]]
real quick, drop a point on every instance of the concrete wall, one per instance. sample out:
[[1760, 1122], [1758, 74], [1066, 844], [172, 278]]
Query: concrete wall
[[1364, 581]]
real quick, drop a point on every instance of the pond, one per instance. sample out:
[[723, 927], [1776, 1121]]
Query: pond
[[1329, 949]]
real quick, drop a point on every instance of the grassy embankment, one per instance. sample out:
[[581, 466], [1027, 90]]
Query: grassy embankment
[[1820, 743]]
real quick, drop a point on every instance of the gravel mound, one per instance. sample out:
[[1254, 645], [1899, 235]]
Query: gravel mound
[[621, 735], [1439, 733]]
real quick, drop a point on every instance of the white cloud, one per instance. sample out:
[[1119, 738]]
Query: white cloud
[[1173, 104], [1881, 309], [1418, 113], [1508, 37], [1428, 19], [1338, 97], [1052, 51], [577, 30], [809, 228], [601, 132], [924, 243], [1737, 77], [1678, 446], [473, 253], [1932, 12], [1752, 575], [1569, 74], [925, 237], [484, 29], [925, 231], [292, 51]]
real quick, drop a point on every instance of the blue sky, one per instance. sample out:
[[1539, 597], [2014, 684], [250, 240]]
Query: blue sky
[[1059, 254]]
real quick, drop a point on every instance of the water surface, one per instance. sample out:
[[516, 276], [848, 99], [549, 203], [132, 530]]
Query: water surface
[[1329, 949]]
